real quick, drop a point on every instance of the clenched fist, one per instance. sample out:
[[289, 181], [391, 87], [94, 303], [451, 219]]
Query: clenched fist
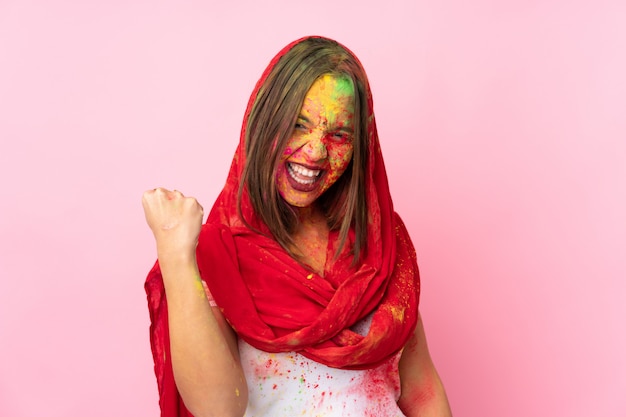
[[175, 221]]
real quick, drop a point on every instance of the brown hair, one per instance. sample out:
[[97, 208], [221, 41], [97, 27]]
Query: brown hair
[[271, 123]]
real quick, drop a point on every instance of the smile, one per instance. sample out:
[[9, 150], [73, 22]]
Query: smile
[[302, 175]]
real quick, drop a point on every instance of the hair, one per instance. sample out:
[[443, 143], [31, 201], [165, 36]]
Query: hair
[[270, 124]]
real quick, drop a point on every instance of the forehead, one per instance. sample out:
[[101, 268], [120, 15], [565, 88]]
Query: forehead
[[330, 88]]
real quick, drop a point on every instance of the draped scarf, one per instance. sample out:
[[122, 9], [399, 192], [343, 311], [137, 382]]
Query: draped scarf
[[276, 304]]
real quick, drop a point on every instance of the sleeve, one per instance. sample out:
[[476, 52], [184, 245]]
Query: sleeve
[[170, 401]]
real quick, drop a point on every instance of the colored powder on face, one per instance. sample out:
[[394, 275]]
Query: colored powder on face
[[344, 86], [324, 133], [331, 96]]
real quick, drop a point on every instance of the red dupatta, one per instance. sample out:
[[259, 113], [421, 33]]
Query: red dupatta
[[276, 304]]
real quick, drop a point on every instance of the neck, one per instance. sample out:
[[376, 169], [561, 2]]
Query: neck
[[310, 215]]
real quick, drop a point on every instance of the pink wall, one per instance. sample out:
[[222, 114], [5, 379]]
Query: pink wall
[[504, 134]]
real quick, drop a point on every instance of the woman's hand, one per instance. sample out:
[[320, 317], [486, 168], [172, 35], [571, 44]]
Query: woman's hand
[[175, 220]]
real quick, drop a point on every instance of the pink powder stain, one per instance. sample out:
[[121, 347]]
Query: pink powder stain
[[267, 369], [375, 385], [416, 398], [321, 401]]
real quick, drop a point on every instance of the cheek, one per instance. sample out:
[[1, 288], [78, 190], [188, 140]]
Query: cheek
[[282, 184], [280, 174], [340, 158], [290, 146], [287, 151], [295, 142]]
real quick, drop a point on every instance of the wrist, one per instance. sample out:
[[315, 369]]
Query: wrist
[[175, 257], [178, 269]]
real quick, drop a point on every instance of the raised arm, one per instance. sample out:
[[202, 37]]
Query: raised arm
[[423, 394], [205, 358]]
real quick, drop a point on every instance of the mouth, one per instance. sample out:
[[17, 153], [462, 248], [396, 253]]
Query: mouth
[[302, 178]]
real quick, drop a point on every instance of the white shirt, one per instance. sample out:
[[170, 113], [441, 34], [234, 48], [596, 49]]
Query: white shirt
[[289, 384]]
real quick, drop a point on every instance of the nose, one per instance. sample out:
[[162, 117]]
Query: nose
[[315, 149]]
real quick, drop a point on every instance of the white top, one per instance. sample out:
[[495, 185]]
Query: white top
[[288, 385]]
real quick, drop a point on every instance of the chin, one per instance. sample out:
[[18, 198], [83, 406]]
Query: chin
[[300, 202]]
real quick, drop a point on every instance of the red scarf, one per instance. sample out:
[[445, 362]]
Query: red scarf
[[277, 305]]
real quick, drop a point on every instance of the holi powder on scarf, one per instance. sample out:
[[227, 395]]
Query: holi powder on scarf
[[397, 313]]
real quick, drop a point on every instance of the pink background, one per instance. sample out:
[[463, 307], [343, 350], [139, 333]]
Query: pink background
[[503, 129]]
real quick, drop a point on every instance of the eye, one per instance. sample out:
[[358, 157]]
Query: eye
[[299, 126], [340, 137]]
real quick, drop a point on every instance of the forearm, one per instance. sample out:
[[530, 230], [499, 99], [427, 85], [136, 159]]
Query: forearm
[[207, 372], [428, 399]]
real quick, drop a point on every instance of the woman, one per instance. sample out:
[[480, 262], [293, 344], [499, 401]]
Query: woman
[[299, 295]]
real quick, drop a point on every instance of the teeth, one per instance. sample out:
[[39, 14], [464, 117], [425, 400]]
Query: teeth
[[303, 172]]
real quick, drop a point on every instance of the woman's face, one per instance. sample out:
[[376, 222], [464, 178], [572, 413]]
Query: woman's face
[[320, 147]]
